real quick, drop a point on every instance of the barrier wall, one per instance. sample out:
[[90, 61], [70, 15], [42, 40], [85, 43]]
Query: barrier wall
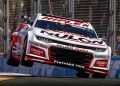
[[38, 69], [53, 71], [114, 71]]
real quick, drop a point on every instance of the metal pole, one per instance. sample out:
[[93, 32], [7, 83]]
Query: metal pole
[[6, 25], [72, 3], [71, 8], [110, 21], [112, 25], [39, 6], [50, 8]]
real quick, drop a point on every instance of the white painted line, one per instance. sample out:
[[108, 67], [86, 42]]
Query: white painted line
[[13, 74]]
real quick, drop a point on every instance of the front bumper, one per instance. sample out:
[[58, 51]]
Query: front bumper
[[55, 57]]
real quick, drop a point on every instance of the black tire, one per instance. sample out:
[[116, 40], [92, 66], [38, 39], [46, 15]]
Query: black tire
[[82, 74], [23, 61], [99, 75], [11, 60]]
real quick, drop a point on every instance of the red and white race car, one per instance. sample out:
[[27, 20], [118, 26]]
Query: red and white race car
[[63, 42]]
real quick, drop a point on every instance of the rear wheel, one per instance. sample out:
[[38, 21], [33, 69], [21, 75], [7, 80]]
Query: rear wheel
[[11, 59], [23, 60], [82, 74], [98, 75]]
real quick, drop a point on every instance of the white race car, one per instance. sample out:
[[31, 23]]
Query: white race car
[[62, 42]]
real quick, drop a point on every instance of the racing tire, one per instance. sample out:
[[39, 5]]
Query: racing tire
[[82, 74], [23, 61], [99, 75], [11, 60]]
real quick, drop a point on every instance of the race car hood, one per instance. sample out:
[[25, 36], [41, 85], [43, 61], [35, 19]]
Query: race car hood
[[70, 38]]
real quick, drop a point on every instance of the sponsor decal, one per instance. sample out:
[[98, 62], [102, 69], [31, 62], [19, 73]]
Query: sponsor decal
[[72, 48], [74, 23], [70, 37], [36, 51], [38, 44], [39, 60], [98, 71], [68, 64]]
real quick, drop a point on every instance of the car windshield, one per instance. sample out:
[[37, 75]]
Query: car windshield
[[65, 27]]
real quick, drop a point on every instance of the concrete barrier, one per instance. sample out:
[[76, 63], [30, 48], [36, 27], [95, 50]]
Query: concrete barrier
[[39, 69]]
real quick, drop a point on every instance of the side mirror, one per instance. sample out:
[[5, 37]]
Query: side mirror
[[29, 25]]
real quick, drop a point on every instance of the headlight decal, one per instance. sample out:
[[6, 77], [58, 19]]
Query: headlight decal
[[43, 39], [100, 49], [101, 56], [38, 44]]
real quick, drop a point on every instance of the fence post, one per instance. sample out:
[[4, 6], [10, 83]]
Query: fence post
[[39, 9], [112, 25], [71, 8], [6, 25]]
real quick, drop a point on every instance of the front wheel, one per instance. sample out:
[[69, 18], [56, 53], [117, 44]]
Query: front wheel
[[82, 74], [98, 75], [23, 61]]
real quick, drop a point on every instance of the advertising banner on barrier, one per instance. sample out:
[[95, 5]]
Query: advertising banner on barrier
[[53, 71], [115, 68]]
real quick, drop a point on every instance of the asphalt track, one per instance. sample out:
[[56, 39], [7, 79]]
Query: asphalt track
[[66, 81]]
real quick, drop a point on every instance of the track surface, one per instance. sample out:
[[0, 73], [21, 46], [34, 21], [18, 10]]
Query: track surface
[[46, 81]]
